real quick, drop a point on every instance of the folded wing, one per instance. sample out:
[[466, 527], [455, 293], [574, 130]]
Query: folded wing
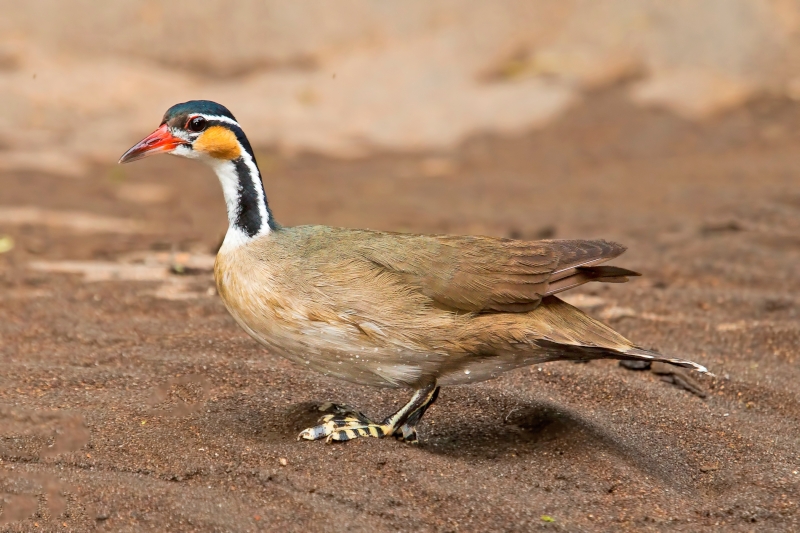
[[482, 274]]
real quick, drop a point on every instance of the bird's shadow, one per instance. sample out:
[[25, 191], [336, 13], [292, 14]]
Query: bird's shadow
[[532, 425], [544, 427], [486, 428]]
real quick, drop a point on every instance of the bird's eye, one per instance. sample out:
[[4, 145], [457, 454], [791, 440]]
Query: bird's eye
[[196, 124]]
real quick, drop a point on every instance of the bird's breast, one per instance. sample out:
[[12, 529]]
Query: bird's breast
[[311, 331]]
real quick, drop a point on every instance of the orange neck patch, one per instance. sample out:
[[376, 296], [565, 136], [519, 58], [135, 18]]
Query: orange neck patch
[[219, 143]]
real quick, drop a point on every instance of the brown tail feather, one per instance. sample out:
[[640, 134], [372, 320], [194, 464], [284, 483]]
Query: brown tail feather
[[574, 254], [642, 354], [581, 275], [564, 352]]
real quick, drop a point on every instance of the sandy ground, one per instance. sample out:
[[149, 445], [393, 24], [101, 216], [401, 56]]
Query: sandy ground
[[130, 401]]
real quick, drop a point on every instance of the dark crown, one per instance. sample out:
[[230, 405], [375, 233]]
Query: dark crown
[[203, 107]]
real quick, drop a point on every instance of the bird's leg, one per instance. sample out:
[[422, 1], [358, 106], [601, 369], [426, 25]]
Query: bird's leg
[[408, 431], [346, 423]]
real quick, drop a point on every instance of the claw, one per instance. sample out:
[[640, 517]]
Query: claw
[[344, 423], [406, 434], [315, 433]]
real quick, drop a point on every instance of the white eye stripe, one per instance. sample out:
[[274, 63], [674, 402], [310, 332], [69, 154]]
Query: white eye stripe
[[219, 118], [181, 134]]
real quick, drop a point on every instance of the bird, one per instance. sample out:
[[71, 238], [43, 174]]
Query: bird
[[386, 309]]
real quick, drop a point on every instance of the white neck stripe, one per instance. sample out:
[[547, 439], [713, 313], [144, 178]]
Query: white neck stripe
[[255, 176], [229, 178]]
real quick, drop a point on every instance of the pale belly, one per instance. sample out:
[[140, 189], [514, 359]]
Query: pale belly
[[350, 348], [341, 350], [337, 352]]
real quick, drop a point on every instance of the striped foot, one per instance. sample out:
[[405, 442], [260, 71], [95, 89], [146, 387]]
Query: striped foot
[[339, 428], [345, 423]]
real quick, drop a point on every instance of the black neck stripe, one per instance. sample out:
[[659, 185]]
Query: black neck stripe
[[248, 217]]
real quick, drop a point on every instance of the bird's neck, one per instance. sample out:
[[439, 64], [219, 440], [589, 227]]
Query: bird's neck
[[249, 215]]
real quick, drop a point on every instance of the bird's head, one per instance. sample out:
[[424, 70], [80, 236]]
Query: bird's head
[[205, 130], [198, 129]]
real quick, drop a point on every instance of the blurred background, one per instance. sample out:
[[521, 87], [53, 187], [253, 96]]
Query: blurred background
[[80, 80], [669, 126], [514, 118]]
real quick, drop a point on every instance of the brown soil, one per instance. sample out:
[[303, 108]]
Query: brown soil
[[140, 405]]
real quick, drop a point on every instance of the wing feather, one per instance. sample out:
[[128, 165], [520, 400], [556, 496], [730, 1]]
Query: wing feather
[[483, 274]]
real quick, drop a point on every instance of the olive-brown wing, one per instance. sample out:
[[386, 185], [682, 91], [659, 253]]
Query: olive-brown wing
[[482, 274]]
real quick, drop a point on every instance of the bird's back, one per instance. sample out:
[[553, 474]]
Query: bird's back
[[367, 307]]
